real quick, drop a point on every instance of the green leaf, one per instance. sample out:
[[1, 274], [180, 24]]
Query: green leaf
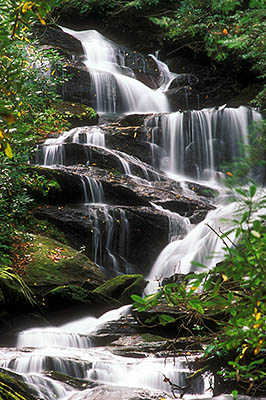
[[216, 287], [138, 299], [241, 192], [196, 304], [252, 190], [8, 150], [166, 319]]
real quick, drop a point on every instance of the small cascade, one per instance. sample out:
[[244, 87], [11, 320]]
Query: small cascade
[[201, 245], [52, 337], [171, 82], [52, 152], [38, 365], [115, 86], [93, 190], [109, 239], [178, 226], [198, 143], [87, 146], [93, 135]]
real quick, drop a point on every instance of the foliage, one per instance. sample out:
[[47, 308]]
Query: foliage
[[250, 165], [225, 30], [28, 78], [234, 289], [14, 203], [7, 274], [16, 17]]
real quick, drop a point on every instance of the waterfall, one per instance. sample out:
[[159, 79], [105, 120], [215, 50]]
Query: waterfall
[[43, 350], [114, 85], [52, 152], [93, 190], [197, 143], [201, 245], [191, 144], [109, 239]]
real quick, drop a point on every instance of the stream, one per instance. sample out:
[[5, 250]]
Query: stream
[[64, 361]]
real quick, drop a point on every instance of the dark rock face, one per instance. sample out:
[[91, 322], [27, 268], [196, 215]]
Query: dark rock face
[[124, 190], [147, 235], [54, 36]]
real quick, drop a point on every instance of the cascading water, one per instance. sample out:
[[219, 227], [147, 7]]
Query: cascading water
[[193, 143], [198, 143], [115, 86]]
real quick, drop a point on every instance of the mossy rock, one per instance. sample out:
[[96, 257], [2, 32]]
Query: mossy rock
[[122, 287], [65, 296], [77, 114], [71, 295], [52, 264], [11, 388]]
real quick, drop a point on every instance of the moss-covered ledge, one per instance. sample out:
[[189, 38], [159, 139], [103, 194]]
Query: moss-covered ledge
[[12, 388], [52, 264], [122, 287]]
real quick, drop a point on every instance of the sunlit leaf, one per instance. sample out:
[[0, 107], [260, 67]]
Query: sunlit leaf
[[8, 151]]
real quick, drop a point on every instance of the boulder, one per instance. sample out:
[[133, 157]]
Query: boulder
[[122, 287], [72, 295], [56, 37], [52, 263]]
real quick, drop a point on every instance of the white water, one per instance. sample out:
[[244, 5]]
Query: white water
[[112, 81], [198, 143], [192, 143], [201, 245], [52, 348], [93, 190], [109, 239]]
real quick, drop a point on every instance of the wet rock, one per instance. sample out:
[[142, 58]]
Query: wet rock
[[132, 139], [51, 264], [122, 393], [12, 387], [76, 154], [67, 183], [146, 237], [75, 383], [70, 295], [122, 287], [120, 189], [53, 35]]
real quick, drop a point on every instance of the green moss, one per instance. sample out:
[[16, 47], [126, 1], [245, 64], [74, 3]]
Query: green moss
[[147, 337], [70, 295], [64, 296], [52, 263], [76, 114], [122, 287], [12, 389]]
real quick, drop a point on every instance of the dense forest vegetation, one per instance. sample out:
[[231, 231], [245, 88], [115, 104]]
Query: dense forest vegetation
[[230, 34]]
